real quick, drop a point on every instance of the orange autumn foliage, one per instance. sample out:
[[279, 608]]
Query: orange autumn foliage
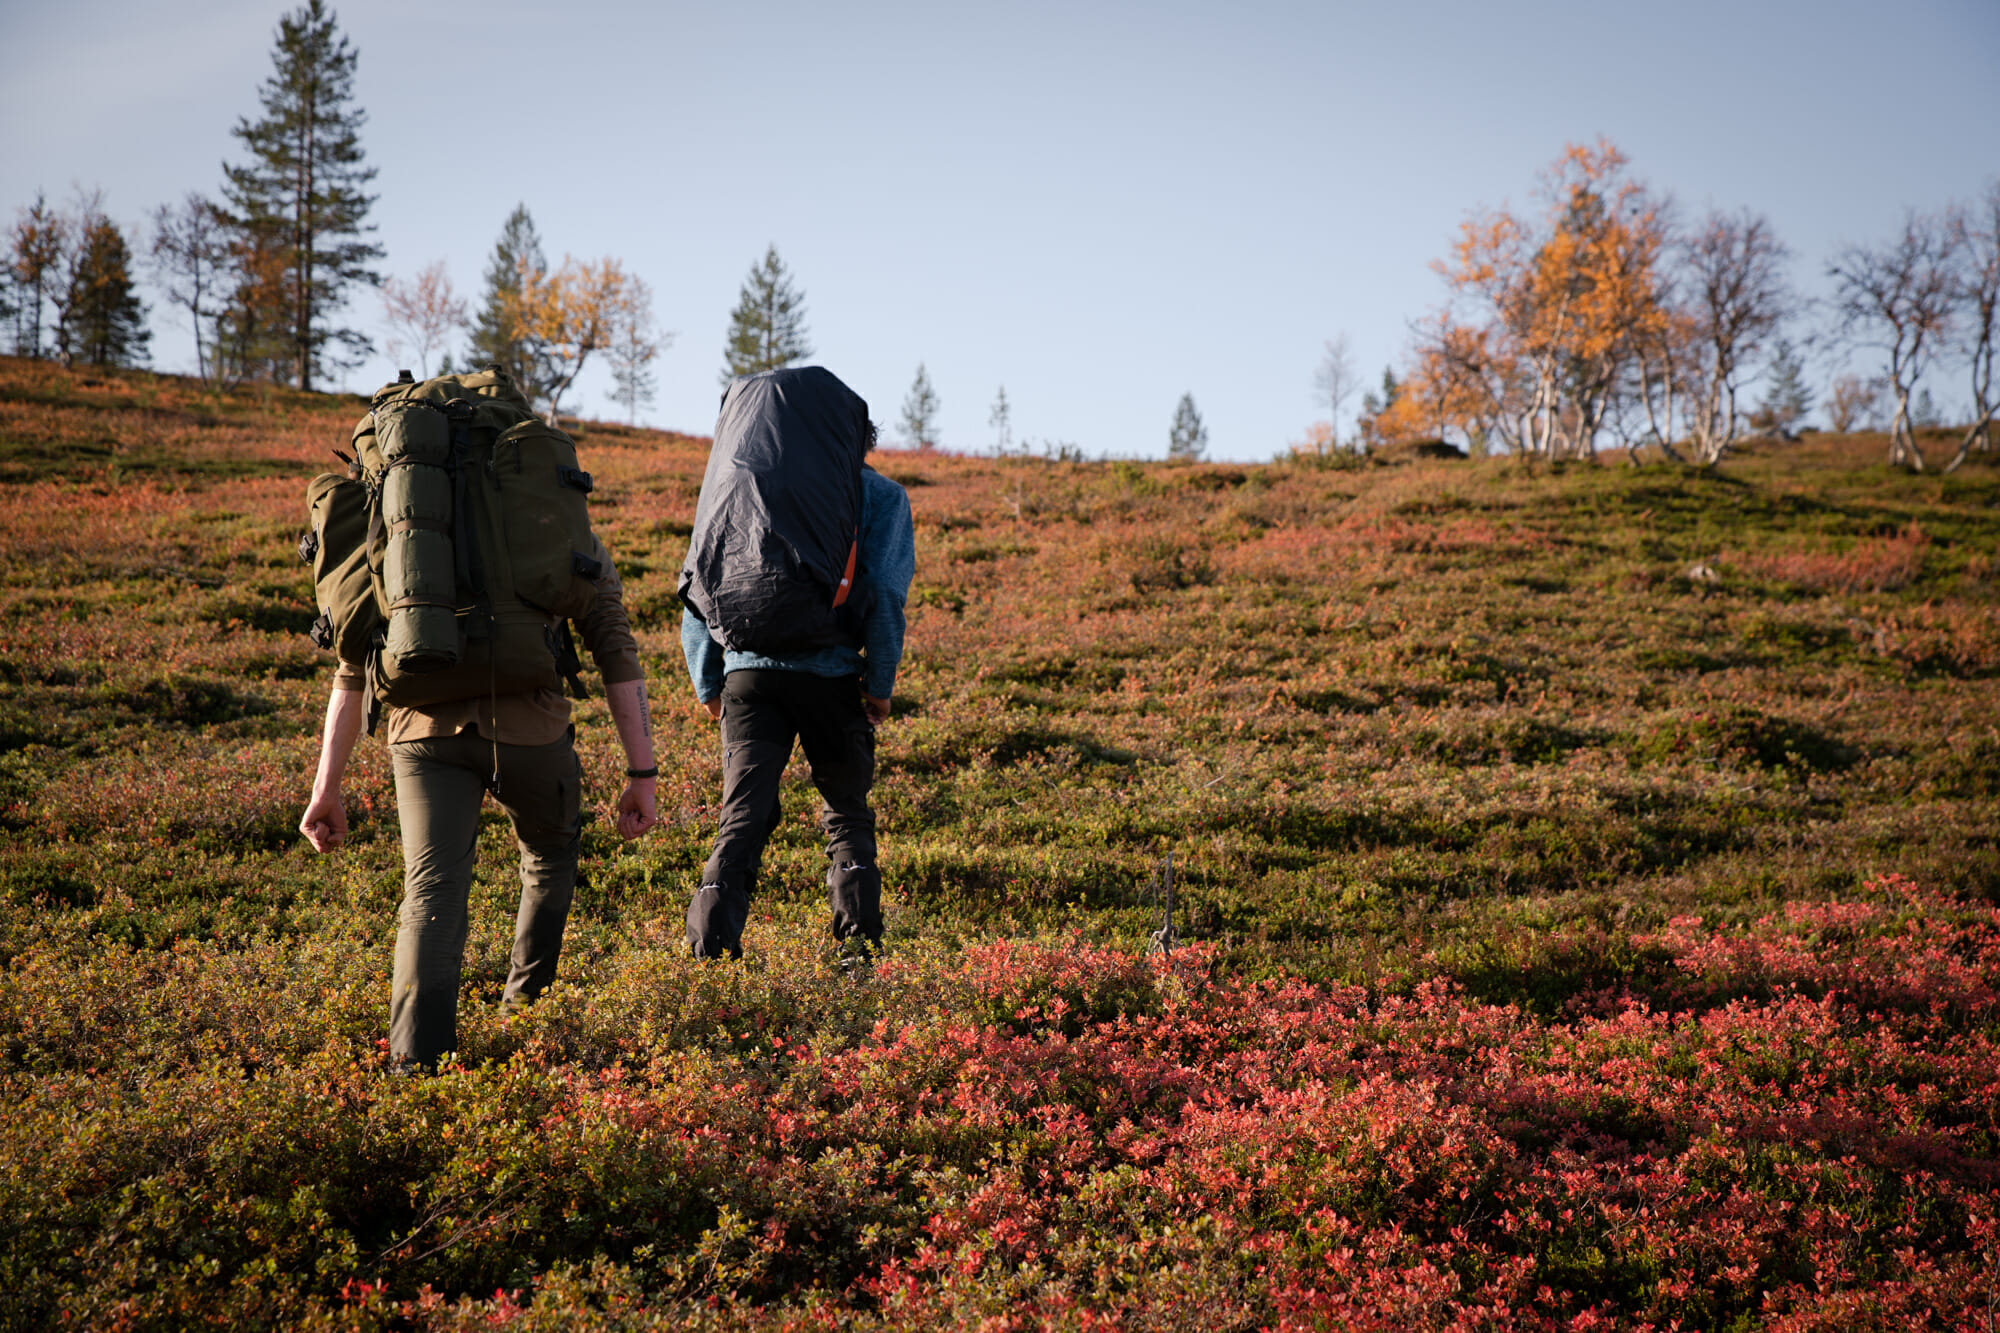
[[1441, 394], [570, 313], [1560, 308]]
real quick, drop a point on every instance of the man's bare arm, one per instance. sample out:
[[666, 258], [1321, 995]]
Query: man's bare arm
[[325, 819], [630, 713]]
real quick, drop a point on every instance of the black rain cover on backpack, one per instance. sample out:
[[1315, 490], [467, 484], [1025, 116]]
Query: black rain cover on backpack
[[779, 512]]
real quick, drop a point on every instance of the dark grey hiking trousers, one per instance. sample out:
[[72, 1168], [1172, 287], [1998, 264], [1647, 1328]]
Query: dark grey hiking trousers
[[763, 712], [440, 782]]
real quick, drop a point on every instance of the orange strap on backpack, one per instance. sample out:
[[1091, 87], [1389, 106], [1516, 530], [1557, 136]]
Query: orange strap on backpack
[[847, 575]]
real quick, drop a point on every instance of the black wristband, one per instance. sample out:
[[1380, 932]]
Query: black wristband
[[643, 772]]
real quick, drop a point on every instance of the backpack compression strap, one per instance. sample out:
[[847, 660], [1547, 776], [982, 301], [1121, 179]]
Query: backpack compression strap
[[847, 575]]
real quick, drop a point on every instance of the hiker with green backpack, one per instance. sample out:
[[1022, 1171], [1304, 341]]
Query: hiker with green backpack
[[792, 626], [450, 562]]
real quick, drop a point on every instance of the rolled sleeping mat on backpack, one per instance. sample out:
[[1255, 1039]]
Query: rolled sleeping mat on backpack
[[419, 576]]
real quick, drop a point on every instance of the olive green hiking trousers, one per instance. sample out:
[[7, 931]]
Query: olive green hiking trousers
[[440, 784]]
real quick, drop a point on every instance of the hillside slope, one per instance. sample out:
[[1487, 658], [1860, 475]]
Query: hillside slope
[[1589, 881]]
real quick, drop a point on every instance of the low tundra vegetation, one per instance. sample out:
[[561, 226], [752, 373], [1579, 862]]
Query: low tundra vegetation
[[1584, 879]]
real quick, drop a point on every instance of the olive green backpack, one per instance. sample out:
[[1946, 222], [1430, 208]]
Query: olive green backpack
[[450, 556]]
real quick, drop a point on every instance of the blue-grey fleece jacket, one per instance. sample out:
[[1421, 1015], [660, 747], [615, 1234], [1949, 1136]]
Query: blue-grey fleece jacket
[[887, 561]]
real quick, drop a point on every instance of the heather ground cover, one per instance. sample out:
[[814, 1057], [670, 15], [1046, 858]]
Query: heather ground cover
[[1589, 881]]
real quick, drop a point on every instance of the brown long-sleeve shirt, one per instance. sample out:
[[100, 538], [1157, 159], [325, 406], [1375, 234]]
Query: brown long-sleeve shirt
[[536, 718]]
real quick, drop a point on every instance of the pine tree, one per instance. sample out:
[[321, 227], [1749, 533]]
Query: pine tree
[[1187, 441], [105, 323], [767, 329], [1924, 415], [1001, 418], [1374, 405], [496, 339], [920, 411], [39, 243], [1786, 399], [300, 194]]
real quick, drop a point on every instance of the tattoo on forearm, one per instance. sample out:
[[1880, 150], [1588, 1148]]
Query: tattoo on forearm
[[645, 714]]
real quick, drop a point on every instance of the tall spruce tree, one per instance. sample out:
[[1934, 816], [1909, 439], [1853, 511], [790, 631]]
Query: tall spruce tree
[[1924, 414], [497, 338], [105, 323], [1787, 399], [1187, 439], [768, 327], [300, 192], [920, 409]]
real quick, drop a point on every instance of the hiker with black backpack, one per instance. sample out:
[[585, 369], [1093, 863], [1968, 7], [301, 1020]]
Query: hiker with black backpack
[[450, 562], [792, 626]]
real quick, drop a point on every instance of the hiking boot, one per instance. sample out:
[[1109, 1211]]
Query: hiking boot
[[715, 921], [854, 895], [854, 954]]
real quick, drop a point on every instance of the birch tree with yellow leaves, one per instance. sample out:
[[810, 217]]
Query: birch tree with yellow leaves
[[1559, 309], [571, 312], [1598, 317]]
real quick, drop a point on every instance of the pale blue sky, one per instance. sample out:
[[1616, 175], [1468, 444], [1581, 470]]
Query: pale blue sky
[[1099, 205]]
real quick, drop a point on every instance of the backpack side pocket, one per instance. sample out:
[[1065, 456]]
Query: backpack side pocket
[[343, 584]]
